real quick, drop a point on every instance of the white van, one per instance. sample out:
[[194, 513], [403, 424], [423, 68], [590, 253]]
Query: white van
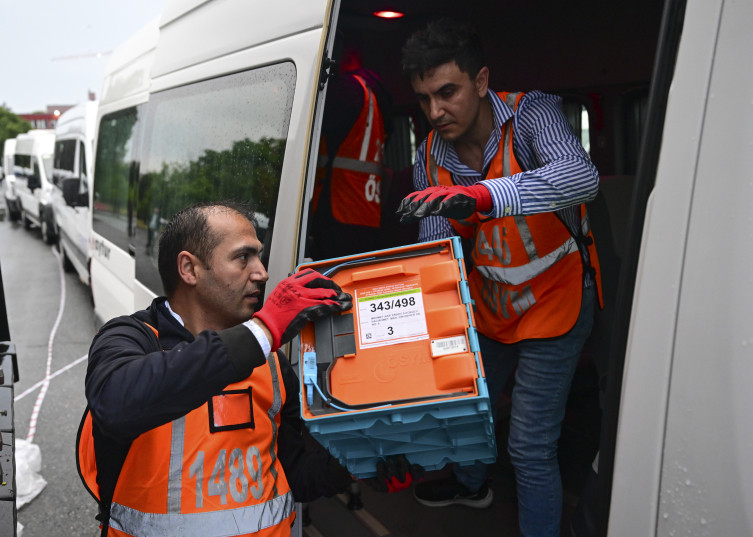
[[659, 92], [33, 176], [11, 201], [72, 174]]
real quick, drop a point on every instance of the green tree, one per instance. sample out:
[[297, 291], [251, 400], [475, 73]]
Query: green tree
[[11, 125]]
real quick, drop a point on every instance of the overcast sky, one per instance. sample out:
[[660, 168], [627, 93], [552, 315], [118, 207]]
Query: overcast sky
[[48, 48]]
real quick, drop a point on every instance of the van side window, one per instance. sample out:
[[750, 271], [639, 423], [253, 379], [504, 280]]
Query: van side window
[[63, 162], [115, 164], [216, 139], [577, 115], [23, 166]]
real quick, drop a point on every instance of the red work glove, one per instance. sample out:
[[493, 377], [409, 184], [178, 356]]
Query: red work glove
[[298, 299], [394, 474], [456, 202]]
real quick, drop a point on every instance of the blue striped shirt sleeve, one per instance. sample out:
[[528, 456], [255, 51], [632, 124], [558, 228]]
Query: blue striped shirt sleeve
[[560, 174], [432, 227]]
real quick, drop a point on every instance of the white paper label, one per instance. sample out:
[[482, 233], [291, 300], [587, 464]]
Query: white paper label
[[448, 345], [391, 317]]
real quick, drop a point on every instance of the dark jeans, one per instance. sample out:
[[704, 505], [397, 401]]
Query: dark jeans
[[545, 369]]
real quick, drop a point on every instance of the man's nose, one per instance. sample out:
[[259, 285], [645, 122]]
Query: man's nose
[[435, 109], [259, 273]]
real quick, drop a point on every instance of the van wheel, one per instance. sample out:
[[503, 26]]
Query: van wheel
[[67, 265], [13, 216], [48, 236]]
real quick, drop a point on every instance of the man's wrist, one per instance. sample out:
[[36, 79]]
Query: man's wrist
[[262, 334]]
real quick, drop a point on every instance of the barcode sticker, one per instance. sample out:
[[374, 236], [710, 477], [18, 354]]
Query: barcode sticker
[[448, 345]]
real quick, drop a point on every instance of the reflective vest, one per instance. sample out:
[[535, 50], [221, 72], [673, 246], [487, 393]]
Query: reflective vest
[[527, 280], [213, 472], [356, 178]]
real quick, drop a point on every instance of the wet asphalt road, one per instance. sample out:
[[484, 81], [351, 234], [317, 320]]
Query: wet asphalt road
[[35, 288]]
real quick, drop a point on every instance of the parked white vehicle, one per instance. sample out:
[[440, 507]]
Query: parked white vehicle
[[11, 200], [232, 107], [33, 176], [72, 176]]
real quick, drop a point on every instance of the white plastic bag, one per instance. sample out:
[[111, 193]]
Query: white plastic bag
[[28, 465]]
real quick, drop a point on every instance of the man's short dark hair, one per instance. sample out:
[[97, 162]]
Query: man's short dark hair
[[442, 41], [189, 230]]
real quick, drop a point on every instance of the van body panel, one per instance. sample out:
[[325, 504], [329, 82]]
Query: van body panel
[[684, 417], [708, 490], [112, 270], [129, 68], [74, 134], [194, 33]]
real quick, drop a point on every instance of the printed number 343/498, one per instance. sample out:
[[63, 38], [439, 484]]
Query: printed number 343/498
[[243, 471]]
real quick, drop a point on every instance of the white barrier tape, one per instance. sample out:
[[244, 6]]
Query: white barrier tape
[[46, 380]]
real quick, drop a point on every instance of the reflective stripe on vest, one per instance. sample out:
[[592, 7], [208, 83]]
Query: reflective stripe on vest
[[537, 265], [356, 170], [239, 521], [528, 273]]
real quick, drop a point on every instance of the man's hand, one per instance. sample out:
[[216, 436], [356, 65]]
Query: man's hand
[[298, 299], [395, 473], [456, 202]]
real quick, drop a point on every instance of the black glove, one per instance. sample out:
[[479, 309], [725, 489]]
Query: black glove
[[395, 473], [456, 202], [298, 299]]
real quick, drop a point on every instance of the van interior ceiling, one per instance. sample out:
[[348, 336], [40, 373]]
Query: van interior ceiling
[[599, 54]]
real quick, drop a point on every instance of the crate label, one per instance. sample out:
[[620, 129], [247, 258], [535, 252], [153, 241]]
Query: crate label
[[391, 314], [448, 345]]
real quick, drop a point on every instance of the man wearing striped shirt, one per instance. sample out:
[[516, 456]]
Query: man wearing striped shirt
[[505, 171]]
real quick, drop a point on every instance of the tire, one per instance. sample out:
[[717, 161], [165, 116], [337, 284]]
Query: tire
[[13, 216], [48, 234], [67, 265]]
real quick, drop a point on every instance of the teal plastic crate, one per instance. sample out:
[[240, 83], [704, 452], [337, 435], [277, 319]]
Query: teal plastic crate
[[432, 431]]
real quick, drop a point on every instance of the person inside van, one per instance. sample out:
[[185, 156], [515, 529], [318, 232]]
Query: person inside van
[[505, 171], [195, 416], [347, 202]]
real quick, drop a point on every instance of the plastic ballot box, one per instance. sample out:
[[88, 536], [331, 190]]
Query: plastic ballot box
[[399, 373]]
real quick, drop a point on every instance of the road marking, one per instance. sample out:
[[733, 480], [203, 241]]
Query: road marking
[[311, 531], [46, 381], [31, 389], [368, 520]]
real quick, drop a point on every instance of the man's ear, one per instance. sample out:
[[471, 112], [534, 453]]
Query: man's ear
[[482, 82], [187, 267]]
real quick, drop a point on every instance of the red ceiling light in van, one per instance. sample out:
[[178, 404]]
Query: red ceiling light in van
[[388, 14]]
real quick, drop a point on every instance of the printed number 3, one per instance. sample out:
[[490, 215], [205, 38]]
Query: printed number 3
[[218, 485]]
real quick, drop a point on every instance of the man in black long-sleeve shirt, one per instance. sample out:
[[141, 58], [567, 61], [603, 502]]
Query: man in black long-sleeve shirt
[[193, 395]]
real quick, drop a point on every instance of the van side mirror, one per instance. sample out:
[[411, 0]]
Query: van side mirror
[[33, 182], [70, 191]]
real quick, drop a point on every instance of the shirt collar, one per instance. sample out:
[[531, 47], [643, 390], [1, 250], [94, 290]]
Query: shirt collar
[[445, 155], [175, 315]]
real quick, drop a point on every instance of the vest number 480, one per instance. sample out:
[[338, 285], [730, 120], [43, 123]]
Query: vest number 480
[[237, 484]]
